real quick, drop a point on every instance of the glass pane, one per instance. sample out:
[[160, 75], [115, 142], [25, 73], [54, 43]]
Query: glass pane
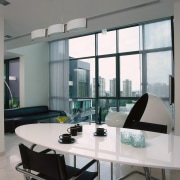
[[130, 75], [104, 106], [158, 35], [129, 39], [107, 77], [107, 43], [82, 46], [82, 110], [82, 73], [158, 70], [57, 50], [125, 105]]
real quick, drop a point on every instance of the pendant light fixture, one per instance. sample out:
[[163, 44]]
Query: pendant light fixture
[[38, 34], [55, 29], [76, 25]]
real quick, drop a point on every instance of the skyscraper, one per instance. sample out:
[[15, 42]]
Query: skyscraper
[[80, 76], [113, 87], [101, 86], [127, 88]]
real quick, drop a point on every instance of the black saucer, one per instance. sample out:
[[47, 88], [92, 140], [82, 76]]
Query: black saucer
[[95, 134], [66, 142]]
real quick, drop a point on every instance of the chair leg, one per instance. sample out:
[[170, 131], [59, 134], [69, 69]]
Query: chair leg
[[98, 169], [111, 171], [74, 160], [131, 173], [147, 174], [98, 166], [26, 178]]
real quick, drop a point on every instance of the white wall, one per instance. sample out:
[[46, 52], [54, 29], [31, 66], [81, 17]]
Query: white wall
[[1, 81], [177, 66], [34, 74]]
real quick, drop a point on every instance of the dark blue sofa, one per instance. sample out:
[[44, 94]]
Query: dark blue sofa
[[27, 115]]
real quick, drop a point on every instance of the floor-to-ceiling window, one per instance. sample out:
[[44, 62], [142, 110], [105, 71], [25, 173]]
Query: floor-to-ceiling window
[[109, 71]]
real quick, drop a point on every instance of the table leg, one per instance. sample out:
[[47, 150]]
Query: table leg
[[111, 171], [98, 169], [74, 160], [163, 174], [147, 173]]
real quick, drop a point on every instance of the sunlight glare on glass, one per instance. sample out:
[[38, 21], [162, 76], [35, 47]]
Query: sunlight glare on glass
[[129, 39], [107, 70], [107, 43], [158, 35], [130, 68], [82, 46]]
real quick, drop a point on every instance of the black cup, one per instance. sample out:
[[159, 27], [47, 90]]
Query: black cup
[[65, 137], [79, 128], [101, 131], [72, 130]]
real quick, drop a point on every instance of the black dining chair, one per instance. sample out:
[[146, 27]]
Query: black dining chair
[[159, 128], [149, 113], [151, 109], [41, 166]]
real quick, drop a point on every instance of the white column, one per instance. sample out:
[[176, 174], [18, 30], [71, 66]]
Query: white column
[[177, 65], [1, 80]]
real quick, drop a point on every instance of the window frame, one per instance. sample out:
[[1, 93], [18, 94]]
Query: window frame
[[118, 56]]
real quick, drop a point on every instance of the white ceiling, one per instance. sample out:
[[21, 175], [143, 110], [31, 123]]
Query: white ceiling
[[23, 16]]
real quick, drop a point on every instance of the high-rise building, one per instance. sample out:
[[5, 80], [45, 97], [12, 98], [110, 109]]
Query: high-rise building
[[101, 86], [113, 87], [80, 84], [127, 88], [80, 78], [93, 88]]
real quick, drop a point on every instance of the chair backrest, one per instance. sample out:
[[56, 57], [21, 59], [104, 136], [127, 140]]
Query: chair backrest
[[49, 165], [151, 109], [136, 111]]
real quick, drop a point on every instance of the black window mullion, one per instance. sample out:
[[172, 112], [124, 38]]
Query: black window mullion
[[144, 64], [117, 71], [96, 78]]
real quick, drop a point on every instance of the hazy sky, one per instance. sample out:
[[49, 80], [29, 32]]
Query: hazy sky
[[130, 65]]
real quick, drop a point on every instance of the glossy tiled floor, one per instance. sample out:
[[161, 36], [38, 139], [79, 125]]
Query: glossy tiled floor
[[12, 157]]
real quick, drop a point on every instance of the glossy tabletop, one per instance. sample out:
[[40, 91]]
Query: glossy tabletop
[[161, 151]]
